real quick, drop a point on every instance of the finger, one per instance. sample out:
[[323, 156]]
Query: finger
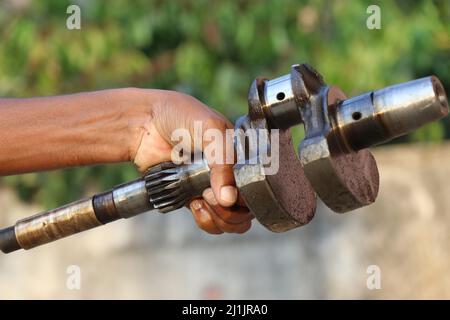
[[223, 185], [229, 227], [230, 217], [233, 215], [203, 218], [220, 161]]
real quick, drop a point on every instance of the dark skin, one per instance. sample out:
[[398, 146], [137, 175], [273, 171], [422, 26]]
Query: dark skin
[[118, 125]]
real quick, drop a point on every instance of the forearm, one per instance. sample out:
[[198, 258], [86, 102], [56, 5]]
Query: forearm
[[73, 130]]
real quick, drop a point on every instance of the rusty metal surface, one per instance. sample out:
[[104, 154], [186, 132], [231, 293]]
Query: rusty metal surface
[[290, 185], [56, 224], [343, 180], [280, 201]]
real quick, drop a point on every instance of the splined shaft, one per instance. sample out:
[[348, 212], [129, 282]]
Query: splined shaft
[[170, 186], [165, 187]]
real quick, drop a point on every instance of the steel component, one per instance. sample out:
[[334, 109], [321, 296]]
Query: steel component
[[124, 201], [279, 105], [56, 224], [131, 199], [170, 186], [338, 130], [165, 187], [351, 178], [342, 181], [379, 116], [284, 200], [8, 240]]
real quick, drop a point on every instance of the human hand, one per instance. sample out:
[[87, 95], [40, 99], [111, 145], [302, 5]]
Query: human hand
[[220, 209]]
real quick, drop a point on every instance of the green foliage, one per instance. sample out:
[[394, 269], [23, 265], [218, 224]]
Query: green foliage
[[212, 50]]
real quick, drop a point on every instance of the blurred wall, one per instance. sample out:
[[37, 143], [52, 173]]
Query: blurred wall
[[405, 233]]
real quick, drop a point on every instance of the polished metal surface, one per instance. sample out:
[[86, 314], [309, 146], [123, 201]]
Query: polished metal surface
[[279, 103], [131, 198], [379, 116], [56, 224]]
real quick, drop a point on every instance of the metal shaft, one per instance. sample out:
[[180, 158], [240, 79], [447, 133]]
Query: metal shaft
[[124, 201], [165, 187], [379, 116]]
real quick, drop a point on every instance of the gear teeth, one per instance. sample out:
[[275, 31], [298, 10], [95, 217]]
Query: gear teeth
[[164, 173], [162, 188], [168, 202], [162, 166], [163, 183], [164, 196], [172, 207]]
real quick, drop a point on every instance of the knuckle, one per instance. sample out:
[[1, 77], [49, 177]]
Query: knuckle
[[207, 224], [215, 122], [227, 216]]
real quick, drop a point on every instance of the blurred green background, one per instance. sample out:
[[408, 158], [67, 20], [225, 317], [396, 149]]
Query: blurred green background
[[212, 50]]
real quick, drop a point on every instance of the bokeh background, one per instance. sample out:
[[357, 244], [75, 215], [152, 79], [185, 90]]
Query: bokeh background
[[213, 50]]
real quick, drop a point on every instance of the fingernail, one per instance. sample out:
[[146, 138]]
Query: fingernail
[[196, 205], [228, 194], [208, 195]]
